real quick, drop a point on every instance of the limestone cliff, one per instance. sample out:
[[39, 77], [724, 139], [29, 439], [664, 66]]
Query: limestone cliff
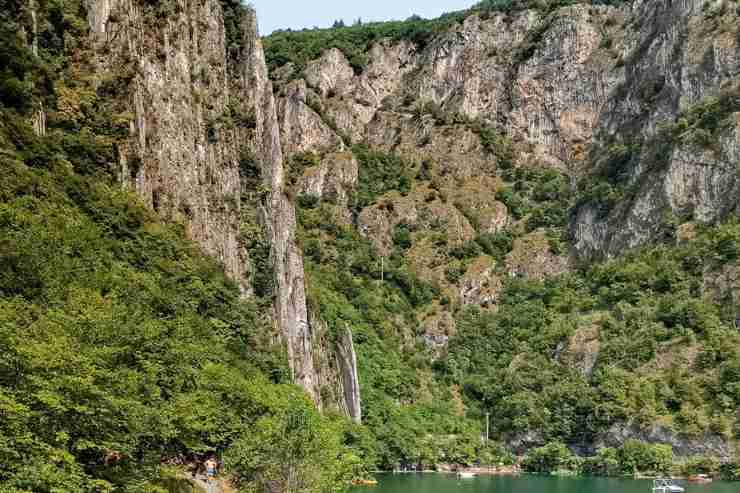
[[203, 123], [565, 87], [172, 58], [291, 314], [678, 57], [610, 101]]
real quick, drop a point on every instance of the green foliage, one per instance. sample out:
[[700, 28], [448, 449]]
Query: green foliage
[[646, 304], [117, 335], [730, 471], [606, 462], [635, 456], [700, 465], [252, 236], [300, 47], [121, 345], [494, 143], [551, 457], [344, 288], [402, 236], [379, 173], [293, 448], [235, 16], [497, 245], [250, 171], [297, 164], [539, 194], [699, 125]]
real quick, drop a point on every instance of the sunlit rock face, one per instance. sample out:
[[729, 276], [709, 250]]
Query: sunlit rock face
[[564, 87], [677, 55], [198, 111]]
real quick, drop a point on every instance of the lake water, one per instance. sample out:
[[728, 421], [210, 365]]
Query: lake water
[[525, 483]]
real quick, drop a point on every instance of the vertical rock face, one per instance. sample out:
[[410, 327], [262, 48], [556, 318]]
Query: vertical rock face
[[543, 79], [347, 359], [177, 158], [565, 86], [291, 314], [197, 110], [677, 55]]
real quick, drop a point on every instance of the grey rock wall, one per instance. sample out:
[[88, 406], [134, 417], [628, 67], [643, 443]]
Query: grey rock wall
[[184, 150]]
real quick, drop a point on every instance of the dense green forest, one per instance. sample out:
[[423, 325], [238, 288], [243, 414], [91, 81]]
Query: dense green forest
[[122, 347]]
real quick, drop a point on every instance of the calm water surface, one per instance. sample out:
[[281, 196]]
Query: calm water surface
[[448, 483]]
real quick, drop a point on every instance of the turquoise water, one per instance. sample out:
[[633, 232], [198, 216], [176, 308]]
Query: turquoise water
[[525, 483]]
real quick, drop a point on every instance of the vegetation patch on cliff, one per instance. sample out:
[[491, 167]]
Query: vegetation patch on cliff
[[508, 361]]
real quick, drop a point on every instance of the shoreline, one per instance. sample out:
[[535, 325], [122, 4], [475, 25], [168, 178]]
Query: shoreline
[[482, 471]]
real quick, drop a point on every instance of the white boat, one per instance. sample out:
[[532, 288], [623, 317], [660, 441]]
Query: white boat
[[666, 486], [465, 475]]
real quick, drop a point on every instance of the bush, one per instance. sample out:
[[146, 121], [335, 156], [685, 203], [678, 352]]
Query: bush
[[300, 47], [604, 463], [549, 458], [636, 456], [467, 250], [646, 301], [308, 200], [497, 245], [380, 173]]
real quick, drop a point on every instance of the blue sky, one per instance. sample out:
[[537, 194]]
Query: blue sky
[[297, 14]]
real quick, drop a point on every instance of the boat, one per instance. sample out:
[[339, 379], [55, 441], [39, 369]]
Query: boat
[[700, 478], [664, 485], [365, 482], [465, 475]]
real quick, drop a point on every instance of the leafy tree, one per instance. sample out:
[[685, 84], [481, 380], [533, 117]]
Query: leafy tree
[[548, 458]]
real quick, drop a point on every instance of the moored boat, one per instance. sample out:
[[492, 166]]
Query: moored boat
[[365, 482], [664, 485], [700, 478]]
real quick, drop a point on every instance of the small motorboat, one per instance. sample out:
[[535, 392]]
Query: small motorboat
[[664, 485], [700, 478], [465, 475]]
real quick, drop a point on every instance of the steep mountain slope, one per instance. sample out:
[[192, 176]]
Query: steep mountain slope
[[202, 108], [525, 209], [471, 167]]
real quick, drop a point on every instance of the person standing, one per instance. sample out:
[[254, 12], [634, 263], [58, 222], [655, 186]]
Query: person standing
[[211, 466]]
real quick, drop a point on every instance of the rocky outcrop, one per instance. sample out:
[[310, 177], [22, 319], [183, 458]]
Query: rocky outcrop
[[197, 112], [347, 359], [291, 314], [565, 87], [532, 257], [177, 158], [334, 179], [683, 446], [302, 128], [480, 285], [581, 351], [543, 79], [672, 65]]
